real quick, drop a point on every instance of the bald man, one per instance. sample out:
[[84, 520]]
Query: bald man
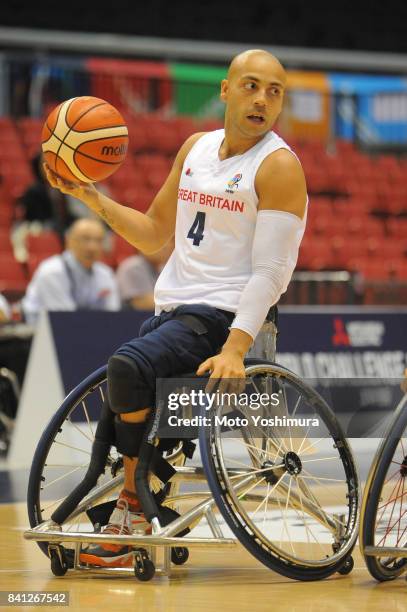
[[236, 200], [74, 280]]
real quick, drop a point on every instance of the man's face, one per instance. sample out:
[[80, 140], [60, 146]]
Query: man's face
[[253, 94], [86, 244]]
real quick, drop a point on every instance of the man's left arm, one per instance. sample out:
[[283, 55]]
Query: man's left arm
[[281, 189]]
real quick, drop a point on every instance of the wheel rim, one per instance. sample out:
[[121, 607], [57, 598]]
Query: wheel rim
[[66, 460], [288, 494], [391, 515]]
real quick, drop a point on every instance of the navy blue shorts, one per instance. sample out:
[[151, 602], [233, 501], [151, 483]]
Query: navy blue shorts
[[169, 347]]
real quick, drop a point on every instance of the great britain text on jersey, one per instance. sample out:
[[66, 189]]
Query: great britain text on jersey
[[206, 199]]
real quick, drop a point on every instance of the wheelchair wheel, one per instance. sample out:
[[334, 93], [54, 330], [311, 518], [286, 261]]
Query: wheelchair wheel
[[294, 505], [62, 458], [63, 451], [384, 507]]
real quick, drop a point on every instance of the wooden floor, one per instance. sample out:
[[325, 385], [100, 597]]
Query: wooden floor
[[208, 582]]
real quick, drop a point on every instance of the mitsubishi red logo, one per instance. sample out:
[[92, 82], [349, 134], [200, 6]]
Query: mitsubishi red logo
[[340, 336]]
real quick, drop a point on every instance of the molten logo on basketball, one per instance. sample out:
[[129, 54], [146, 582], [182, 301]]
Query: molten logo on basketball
[[120, 150]]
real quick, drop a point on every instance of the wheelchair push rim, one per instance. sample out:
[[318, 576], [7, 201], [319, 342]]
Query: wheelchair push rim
[[71, 439], [236, 502]]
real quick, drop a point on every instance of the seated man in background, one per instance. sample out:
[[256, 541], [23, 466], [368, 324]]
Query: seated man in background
[[137, 275], [74, 280]]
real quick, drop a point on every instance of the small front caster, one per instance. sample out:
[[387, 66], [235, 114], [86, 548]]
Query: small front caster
[[59, 563], [347, 567], [179, 555], [144, 568]]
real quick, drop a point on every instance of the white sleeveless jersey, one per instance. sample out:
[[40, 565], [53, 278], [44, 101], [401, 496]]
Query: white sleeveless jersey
[[215, 223]]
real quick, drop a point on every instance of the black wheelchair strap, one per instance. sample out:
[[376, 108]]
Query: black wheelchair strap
[[188, 448], [193, 322], [161, 467]]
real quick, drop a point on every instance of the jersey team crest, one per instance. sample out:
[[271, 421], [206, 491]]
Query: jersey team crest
[[233, 183]]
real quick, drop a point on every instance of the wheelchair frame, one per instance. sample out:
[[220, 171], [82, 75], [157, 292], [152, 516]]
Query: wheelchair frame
[[175, 548]]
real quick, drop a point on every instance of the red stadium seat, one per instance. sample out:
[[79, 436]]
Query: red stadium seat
[[184, 127], [45, 242], [397, 228], [12, 273], [5, 242], [398, 269], [6, 214], [371, 269]]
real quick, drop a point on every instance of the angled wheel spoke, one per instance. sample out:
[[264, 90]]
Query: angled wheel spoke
[[49, 484], [269, 492], [85, 410], [79, 430], [81, 450]]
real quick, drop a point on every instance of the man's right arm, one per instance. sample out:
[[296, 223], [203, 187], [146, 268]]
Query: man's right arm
[[147, 232]]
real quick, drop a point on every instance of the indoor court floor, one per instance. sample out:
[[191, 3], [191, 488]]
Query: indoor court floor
[[208, 582]]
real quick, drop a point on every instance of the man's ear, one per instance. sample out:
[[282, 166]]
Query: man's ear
[[224, 86]]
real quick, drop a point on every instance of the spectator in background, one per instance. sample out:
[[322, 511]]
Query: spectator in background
[[40, 204], [136, 277], [45, 208], [5, 311], [74, 280]]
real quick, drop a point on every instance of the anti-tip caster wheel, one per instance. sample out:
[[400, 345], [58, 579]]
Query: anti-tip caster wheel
[[144, 568], [347, 567], [179, 555], [59, 563]]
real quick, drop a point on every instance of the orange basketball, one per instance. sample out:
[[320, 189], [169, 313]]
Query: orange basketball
[[85, 139]]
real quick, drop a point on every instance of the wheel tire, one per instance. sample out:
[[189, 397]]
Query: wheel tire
[[270, 560], [58, 568], [179, 555], [347, 567], [371, 499], [44, 444], [147, 572]]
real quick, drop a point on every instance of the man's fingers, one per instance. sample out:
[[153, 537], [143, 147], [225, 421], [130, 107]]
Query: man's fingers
[[57, 181], [50, 175], [204, 367]]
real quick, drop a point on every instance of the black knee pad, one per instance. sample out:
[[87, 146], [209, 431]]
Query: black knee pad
[[128, 436], [126, 387]]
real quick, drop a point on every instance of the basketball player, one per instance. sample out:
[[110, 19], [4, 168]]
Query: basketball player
[[236, 200]]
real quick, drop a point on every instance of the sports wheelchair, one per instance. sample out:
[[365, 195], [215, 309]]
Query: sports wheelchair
[[383, 525], [291, 498]]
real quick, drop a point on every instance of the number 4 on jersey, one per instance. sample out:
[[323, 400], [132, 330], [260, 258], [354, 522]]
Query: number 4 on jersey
[[196, 233]]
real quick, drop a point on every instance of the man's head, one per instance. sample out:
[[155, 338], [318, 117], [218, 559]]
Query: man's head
[[253, 93], [85, 241]]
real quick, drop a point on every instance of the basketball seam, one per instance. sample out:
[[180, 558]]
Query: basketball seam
[[53, 133], [80, 116], [101, 161], [71, 128], [80, 169], [122, 125]]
